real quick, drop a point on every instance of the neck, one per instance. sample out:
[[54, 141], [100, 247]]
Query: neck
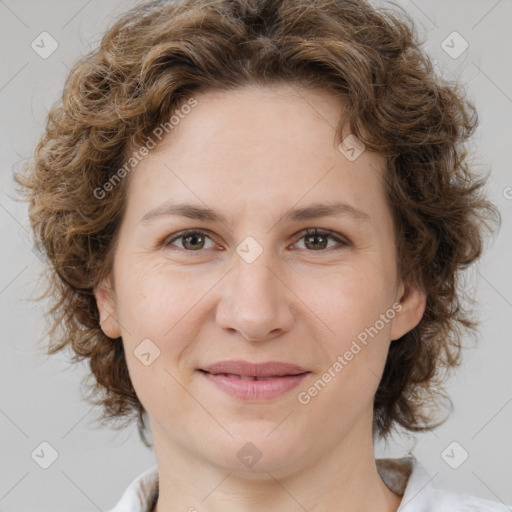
[[345, 479]]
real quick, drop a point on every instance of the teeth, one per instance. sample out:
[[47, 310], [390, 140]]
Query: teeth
[[240, 377]]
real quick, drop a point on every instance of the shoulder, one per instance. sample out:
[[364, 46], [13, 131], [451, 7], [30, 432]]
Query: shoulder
[[139, 494], [408, 478], [441, 500]]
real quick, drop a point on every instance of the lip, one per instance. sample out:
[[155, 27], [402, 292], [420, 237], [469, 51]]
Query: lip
[[250, 381], [246, 369]]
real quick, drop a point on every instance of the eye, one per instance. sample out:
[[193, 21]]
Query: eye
[[317, 239], [195, 240], [190, 240]]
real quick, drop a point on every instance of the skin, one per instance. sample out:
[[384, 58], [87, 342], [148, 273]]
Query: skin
[[252, 154]]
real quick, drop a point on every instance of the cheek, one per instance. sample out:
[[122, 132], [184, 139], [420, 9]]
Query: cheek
[[350, 299], [167, 307], [154, 301], [351, 306], [157, 305]]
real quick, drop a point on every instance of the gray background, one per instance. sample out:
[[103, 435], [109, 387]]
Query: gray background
[[40, 397]]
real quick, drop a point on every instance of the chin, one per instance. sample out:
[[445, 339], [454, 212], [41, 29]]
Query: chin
[[257, 450]]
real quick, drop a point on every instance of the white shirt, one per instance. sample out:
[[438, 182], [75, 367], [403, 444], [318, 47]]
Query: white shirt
[[405, 477]]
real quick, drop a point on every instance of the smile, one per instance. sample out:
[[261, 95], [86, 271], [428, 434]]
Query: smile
[[253, 381]]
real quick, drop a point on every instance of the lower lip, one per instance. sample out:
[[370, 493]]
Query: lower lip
[[255, 389]]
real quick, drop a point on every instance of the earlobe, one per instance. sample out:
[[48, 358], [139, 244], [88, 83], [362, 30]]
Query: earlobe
[[107, 308], [412, 302]]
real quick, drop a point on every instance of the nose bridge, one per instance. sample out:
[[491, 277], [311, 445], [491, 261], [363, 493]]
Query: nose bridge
[[255, 302], [255, 278]]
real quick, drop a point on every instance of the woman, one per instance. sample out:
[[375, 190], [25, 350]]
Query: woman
[[256, 213]]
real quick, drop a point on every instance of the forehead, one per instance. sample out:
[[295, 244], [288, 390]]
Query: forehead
[[280, 116], [270, 146]]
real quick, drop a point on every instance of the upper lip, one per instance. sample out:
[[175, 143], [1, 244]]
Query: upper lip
[[246, 369]]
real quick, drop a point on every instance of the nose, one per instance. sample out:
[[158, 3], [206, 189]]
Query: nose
[[255, 302]]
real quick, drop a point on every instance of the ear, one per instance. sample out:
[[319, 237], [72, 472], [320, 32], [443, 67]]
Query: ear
[[107, 307], [412, 306]]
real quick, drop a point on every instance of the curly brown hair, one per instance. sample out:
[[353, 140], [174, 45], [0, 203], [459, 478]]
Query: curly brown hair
[[159, 53]]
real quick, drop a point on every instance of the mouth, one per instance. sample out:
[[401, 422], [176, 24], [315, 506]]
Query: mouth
[[254, 382], [248, 377]]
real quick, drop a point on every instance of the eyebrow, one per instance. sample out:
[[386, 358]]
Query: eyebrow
[[198, 212]]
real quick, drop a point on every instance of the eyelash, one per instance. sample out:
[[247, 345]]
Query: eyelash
[[167, 242]]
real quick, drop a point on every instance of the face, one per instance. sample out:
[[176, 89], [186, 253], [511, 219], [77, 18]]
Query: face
[[254, 283]]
